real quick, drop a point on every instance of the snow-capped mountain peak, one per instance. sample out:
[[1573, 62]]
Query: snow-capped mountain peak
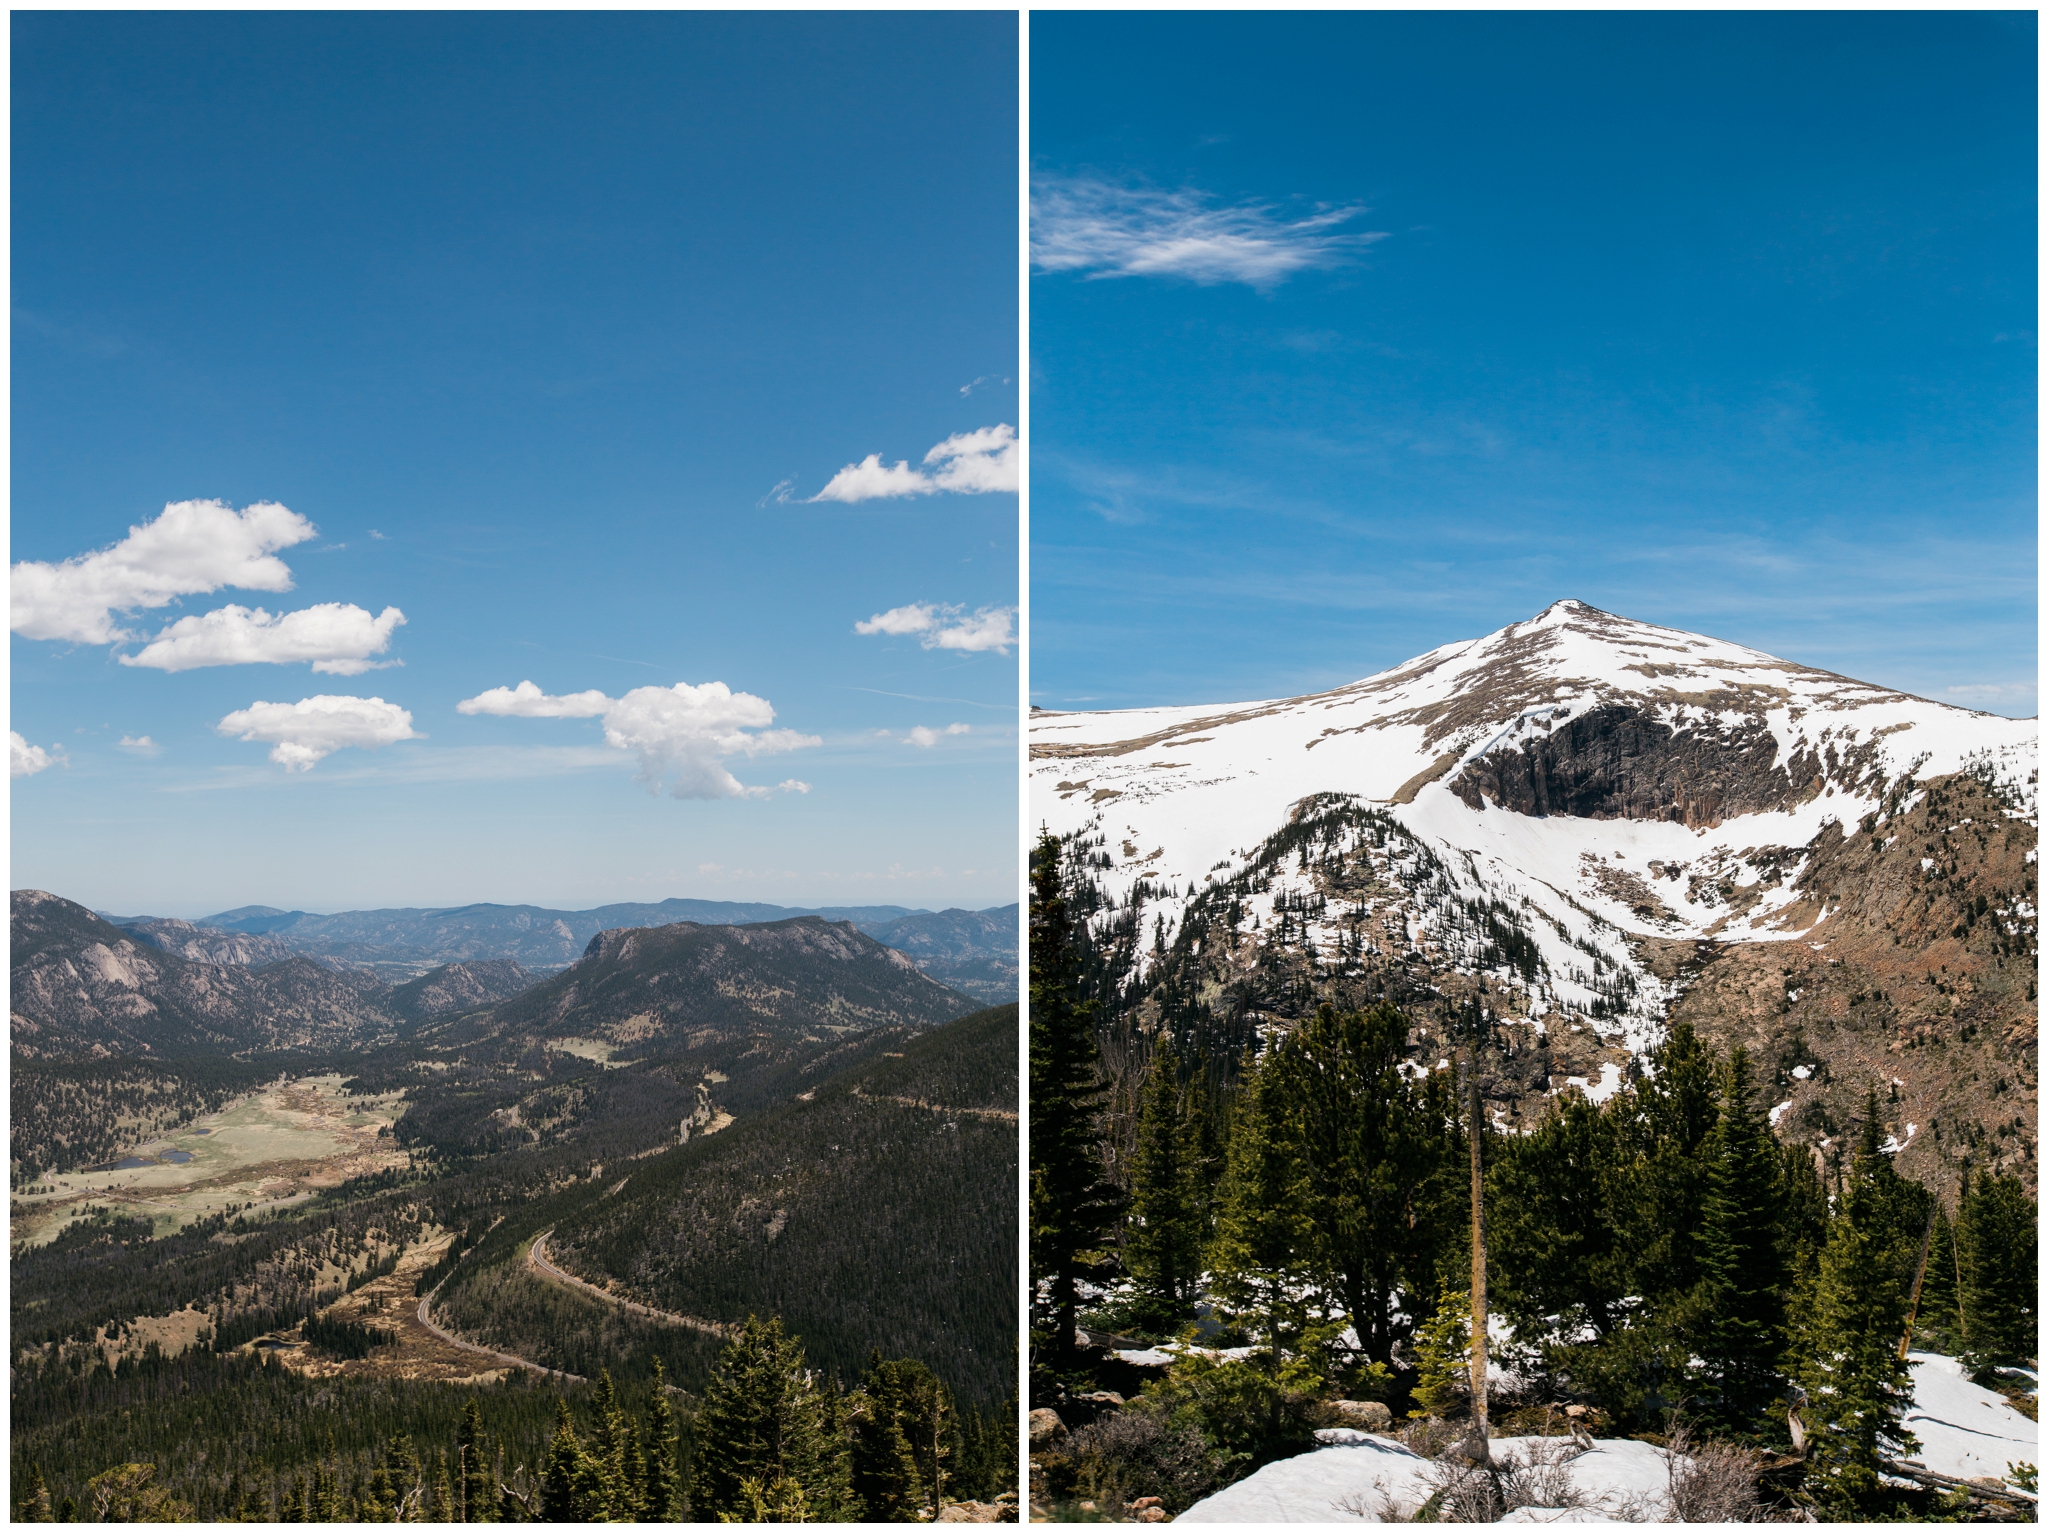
[[1607, 779]]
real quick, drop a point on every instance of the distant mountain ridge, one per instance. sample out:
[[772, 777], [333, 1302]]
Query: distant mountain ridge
[[972, 951], [645, 989]]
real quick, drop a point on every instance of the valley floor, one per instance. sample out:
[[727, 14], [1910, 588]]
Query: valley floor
[[274, 1146]]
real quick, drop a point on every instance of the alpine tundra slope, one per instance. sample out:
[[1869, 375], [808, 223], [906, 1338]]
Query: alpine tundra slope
[[1570, 833]]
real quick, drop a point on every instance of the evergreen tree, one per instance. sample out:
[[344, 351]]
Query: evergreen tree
[[1857, 1388], [1073, 1206], [2000, 1264], [764, 1422], [885, 1475], [1934, 1328], [1262, 1232], [32, 1501], [666, 1501], [1552, 1233], [1364, 1151], [1662, 1125], [1165, 1233], [442, 1506], [609, 1484], [561, 1498], [478, 1490], [1742, 1277]]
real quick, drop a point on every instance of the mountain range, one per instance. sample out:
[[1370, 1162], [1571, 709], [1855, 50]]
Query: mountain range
[[973, 951], [1567, 835]]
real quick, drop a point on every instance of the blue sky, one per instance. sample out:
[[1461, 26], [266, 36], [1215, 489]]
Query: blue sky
[[517, 349], [1356, 334]]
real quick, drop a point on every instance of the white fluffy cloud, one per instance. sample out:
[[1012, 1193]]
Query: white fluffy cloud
[[940, 626], [682, 734], [1079, 224], [966, 463], [195, 546], [25, 760], [925, 739], [337, 637], [139, 745], [303, 732]]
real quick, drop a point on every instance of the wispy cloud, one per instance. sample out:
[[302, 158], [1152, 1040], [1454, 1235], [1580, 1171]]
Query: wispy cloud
[[682, 734], [969, 388], [966, 463], [925, 738], [1080, 224], [940, 626], [139, 745]]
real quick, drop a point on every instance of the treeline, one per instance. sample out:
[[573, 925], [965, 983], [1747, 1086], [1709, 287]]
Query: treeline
[[1655, 1251], [232, 1439], [68, 1114], [864, 1219]]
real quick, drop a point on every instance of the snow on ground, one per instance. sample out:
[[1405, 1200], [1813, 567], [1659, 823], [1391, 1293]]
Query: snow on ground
[[1182, 794], [1964, 1429], [1361, 1477]]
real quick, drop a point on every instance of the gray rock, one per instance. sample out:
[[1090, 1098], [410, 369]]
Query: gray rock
[[1365, 1415]]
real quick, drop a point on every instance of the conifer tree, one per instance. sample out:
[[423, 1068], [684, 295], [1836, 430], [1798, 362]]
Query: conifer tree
[[1364, 1153], [1857, 1388], [1662, 1125], [1742, 1278], [1262, 1233], [566, 1473], [1164, 1236], [764, 1421], [607, 1454], [2000, 1264], [665, 1498], [1934, 1329], [885, 1473], [478, 1490], [442, 1506], [32, 1502], [1073, 1205]]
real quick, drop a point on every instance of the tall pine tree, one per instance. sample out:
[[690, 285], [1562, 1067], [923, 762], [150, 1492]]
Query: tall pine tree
[[1073, 1206], [1166, 1230], [1262, 1232], [1857, 1388], [1365, 1151], [765, 1421], [1742, 1274], [2000, 1266]]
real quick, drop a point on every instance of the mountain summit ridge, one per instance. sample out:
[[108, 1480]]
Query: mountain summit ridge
[[1557, 828]]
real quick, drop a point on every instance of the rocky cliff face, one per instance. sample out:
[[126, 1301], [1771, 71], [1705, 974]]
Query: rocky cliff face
[[1563, 837], [80, 986]]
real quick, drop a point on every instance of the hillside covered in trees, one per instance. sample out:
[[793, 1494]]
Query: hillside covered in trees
[[1660, 1253], [295, 1332]]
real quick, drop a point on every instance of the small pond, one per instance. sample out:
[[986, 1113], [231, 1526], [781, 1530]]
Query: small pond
[[177, 1157], [132, 1163], [202, 1131]]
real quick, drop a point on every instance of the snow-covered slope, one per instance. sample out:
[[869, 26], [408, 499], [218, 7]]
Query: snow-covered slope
[[1591, 780]]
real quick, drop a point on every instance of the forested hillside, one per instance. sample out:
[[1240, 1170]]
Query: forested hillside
[[214, 1305], [876, 1212], [1666, 1251]]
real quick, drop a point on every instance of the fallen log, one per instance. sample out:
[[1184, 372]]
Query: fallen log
[[2003, 1493]]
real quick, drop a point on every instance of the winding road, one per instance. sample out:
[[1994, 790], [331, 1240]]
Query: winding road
[[508, 1358], [537, 1259]]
